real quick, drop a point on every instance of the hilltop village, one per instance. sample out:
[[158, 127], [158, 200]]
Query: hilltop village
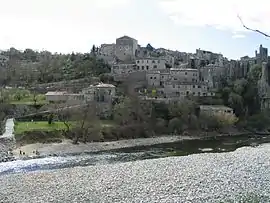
[[140, 91]]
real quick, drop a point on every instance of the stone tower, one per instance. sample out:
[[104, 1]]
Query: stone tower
[[125, 49]]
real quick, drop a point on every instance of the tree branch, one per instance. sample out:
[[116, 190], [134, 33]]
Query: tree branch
[[253, 30]]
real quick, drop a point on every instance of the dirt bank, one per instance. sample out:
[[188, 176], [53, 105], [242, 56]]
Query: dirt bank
[[66, 147]]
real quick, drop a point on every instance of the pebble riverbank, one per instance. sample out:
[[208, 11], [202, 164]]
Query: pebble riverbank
[[199, 178]]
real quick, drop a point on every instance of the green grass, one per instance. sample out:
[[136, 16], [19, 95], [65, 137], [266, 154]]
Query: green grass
[[29, 100], [22, 127]]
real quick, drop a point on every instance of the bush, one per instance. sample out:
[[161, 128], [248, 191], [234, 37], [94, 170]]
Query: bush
[[175, 126], [161, 126], [39, 137]]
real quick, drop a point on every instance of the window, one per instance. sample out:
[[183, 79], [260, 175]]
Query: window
[[193, 93], [147, 67], [162, 77], [151, 78], [102, 99], [193, 86], [204, 94], [153, 61], [155, 77], [142, 67], [173, 86], [138, 67], [138, 61], [155, 66], [177, 93], [158, 61], [193, 79], [185, 73], [199, 93], [147, 61], [187, 92], [175, 78], [199, 86]]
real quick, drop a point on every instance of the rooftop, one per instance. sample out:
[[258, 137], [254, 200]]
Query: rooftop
[[104, 85], [183, 69], [56, 93]]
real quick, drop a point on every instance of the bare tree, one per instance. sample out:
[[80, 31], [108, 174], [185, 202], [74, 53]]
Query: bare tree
[[86, 119], [253, 30]]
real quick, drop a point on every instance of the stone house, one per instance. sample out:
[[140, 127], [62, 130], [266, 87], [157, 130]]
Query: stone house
[[153, 78], [102, 95], [64, 97], [217, 110], [99, 93], [183, 89], [148, 64], [121, 71], [185, 74], [56, 96]]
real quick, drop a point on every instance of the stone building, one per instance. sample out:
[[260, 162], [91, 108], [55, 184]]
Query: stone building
[[148, 64], [64, 97], [183, 89], [262, 56], [99, 93], [153, 78], [142, 52], [126, 48], [184, 74], [121, 71], [216, 109], [107, 49]]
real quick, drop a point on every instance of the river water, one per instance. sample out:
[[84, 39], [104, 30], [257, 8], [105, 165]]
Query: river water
[[183, 148]]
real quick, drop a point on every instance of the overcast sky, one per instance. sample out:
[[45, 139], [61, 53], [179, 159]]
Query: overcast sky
[[68, 25]]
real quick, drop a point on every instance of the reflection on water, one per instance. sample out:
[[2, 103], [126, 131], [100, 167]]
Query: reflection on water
[[211, 145]]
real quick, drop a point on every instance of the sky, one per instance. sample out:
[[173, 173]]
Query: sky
[[68, 25]]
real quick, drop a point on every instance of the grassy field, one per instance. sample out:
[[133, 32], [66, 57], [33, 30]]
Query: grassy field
[[21, 127], [21, 96], [28, 100]]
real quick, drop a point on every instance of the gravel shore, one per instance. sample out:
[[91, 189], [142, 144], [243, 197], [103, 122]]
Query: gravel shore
[[199, 178], [66, 147]]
